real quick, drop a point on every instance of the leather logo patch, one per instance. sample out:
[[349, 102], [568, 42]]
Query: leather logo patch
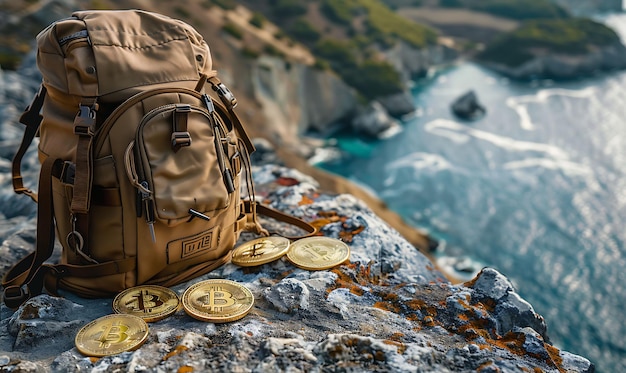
[[196, 244]]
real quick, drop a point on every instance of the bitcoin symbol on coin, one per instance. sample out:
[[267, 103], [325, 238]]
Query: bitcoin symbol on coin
[[317, 254], [256, 250], [145, 302], [112, 334], [215, 300], [260, 251]]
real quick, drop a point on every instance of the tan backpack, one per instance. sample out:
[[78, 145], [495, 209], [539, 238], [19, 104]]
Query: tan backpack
[[141, 166]]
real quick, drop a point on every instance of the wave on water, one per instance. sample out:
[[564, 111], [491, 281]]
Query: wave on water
[[569, 168], [520, 103], [461, 133]]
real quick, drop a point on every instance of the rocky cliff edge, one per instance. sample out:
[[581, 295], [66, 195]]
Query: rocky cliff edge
[[385, 309]]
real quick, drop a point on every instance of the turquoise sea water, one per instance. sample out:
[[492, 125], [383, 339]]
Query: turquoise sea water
[[535, 189]]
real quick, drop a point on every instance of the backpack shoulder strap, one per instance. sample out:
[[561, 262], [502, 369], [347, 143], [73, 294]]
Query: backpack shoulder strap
[[25, 279], [29, 275], [32, 119]]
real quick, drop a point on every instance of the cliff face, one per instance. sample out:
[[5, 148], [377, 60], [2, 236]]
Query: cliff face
[[588, 7], [297, 98], [413, 63]]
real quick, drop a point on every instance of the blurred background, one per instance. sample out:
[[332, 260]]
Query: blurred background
[[497, 127]]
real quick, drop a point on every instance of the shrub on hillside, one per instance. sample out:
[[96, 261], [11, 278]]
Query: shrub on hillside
[[225, 4], [340, 11], [340, 54], [257, 20], [288, 8], [374, 79], [302, 30], [232, 29]]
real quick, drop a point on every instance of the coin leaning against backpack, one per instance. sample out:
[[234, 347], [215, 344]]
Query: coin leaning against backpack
[[260, 251], [111, 334], [217, 301], [318, 253], [150, 302]]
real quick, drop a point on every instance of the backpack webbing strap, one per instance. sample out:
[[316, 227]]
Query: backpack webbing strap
[[32, 119], [229, 100], [282, 217], [27, 277], [84, 128]]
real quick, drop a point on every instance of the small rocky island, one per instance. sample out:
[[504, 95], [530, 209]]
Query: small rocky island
[[555, 49], [468, 107]]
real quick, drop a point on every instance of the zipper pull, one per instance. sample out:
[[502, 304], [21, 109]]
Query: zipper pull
[[148, 205], [227, 175]]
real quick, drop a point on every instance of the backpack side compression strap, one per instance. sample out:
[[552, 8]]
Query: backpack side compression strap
[[32, 119]]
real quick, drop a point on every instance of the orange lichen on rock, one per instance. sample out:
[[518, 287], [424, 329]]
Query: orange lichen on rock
[[306, 200], [400, 347], [176, 351], [485, 365], [387, 306], [555, 356], [185, 369]]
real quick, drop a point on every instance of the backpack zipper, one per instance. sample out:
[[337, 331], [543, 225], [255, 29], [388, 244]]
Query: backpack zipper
[[82, 34], [108, 123], [146, 193]]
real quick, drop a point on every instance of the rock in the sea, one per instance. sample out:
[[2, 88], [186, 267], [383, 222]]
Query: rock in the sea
[[399, 104], [468, 107], [373, 120]]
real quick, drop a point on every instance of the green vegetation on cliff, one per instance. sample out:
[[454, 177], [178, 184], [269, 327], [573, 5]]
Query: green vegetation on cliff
[[380, 21], [369, 77], [349, 37], [574, 36], [513, 9]]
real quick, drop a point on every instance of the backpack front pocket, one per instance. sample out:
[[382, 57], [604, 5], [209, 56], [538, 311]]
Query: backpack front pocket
[[181, 165]]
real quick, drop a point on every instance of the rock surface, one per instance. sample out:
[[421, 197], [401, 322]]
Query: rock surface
[[386, 309]]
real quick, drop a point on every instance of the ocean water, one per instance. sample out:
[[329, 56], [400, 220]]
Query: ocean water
[[535, 189]]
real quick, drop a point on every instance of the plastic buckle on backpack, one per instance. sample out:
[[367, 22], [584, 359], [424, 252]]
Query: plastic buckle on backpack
[[68, 172], [14, 296], [227, 97], [180, 139], [85, 120]]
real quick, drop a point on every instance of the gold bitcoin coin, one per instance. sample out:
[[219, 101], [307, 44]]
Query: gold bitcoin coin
[[260, 251], [150, 302], [111, 334], [318, 253], [217, 301]]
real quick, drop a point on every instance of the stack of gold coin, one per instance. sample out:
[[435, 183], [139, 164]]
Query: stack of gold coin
[[318, 253], [217, 301], [150, 302], [111, 334], [260, 251]]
